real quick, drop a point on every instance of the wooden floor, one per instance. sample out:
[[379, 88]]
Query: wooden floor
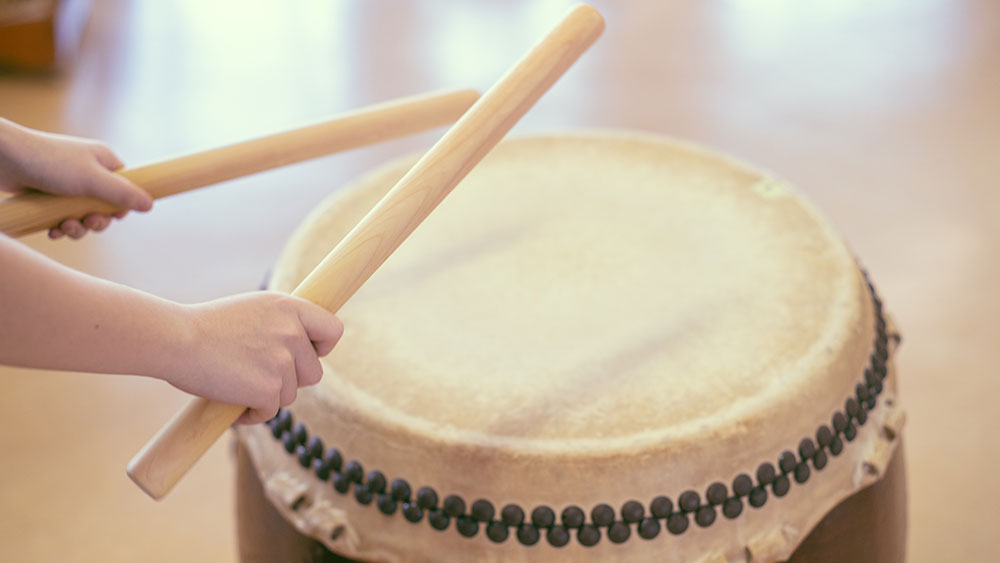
[[885, 114]]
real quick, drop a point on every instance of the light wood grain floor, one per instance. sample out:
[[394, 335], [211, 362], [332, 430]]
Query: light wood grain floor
[[884, 113]]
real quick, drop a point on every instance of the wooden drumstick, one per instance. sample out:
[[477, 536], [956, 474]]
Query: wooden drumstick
[[165, 459], [34, 211]]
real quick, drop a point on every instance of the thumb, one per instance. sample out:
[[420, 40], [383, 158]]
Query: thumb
[[116, 189]]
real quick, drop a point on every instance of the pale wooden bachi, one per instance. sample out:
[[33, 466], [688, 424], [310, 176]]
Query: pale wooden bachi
[[169, 454], [34, 211], [591, 319]]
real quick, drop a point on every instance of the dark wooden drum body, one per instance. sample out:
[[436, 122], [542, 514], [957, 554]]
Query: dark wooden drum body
[[600, 347]]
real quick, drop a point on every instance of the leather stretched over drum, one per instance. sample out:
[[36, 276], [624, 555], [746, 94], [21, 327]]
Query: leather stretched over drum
[[588, 319]]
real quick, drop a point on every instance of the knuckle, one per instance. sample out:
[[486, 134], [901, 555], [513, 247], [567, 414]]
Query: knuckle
[[276, 363]]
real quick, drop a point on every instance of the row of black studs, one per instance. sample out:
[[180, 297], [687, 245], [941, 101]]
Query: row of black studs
[[350, 477]]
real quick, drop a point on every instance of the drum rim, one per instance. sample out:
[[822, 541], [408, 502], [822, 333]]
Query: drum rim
[[793, 464]]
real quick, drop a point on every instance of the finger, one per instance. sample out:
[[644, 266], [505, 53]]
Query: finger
[[73, 228], [308, 370], [289, 386], [96, 222], [256, 416], [118, 190], [324, 347], [322, 327], [120, 214], [56, 233]]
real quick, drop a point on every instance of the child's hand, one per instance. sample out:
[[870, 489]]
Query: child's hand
[[71, 166], [255, 349]]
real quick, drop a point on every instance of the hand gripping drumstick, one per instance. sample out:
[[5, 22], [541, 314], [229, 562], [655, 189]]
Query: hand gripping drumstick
[[34, 211], [165, 459]]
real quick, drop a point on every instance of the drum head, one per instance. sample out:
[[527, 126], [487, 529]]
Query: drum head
[[590, 320]]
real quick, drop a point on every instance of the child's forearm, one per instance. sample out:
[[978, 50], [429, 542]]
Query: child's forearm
[[253, 349], [53, 317]]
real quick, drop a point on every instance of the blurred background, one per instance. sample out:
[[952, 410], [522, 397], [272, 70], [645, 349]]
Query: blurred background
[[884, 114]]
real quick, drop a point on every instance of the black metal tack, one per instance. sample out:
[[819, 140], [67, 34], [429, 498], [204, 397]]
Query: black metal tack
[[765, 473], [315, 446], [820, 459], [862, 417], [633, 511], [802, 472], [454, 505], [288, 441], [839, 422], [341, 483], [742, 485], [619, 532], [387, 504], [299, 433], [824, 436], [412, 512], [512, 515], [375, 481], [758, 496], [649, 528], [305, 460], [836, 445], [528, 535], [321, 469], [467, 526], [603, 515], [780, 486], [807, 448], [861, 392], [400, 489], [438, 518], [482, 510], [870, 377], [333, 459], [661, 507], [543, 516], [851, 407], [427, 498], [732, 507], [497, 532], [362, 494], [285, 419], [572, 517], [677, 523], [588, 535], [275, 426], [557, 536], [354, 471], [705, 516], [716, 494], [787, 462], [689, 501]]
